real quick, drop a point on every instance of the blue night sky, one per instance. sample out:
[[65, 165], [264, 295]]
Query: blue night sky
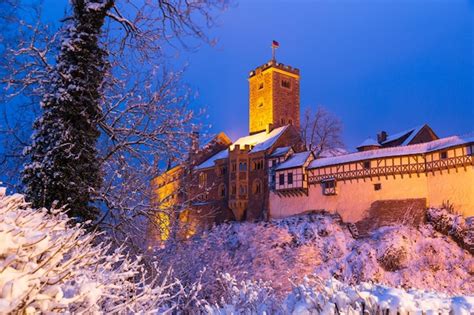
[[378, 65]]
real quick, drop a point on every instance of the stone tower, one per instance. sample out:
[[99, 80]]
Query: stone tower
[[274, 97]]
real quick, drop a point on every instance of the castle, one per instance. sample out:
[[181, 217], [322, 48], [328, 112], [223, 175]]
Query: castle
[[270, 174]]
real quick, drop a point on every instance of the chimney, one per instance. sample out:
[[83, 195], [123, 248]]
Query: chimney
[[381, 137], [269, 127]]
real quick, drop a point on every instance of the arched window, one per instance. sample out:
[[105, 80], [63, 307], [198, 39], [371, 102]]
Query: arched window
[[257, 187]]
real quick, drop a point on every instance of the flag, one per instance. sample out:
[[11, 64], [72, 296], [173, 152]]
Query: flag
[[275, 44]]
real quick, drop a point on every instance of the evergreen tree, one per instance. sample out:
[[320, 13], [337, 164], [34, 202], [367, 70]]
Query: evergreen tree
[[63, 165]]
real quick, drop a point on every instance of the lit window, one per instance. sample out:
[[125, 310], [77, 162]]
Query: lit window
[[202, 179], [290, 178], [282, 179], [329, 187]]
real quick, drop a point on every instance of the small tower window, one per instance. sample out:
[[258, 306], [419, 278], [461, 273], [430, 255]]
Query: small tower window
[[286, 84], [260, 86], [260, 104]]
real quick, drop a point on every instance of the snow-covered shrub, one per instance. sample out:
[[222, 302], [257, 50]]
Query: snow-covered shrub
[[455, 225], [314, 296], [317, 296], [46, 265], [244, 297]]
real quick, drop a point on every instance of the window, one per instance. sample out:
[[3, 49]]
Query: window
[[366, 165], [290, 178], [233, 189], [377, 186], [260, 104], [242, 190], [257, 186], [243, 166], [273, 163], [258, 165], [282, 179], [260, 86], [202, 179], [273, 179], [234, 167], [470, 150], [290, 121], [443, 155], [286, 84], [223, 170], [222, 191], [329, 187]]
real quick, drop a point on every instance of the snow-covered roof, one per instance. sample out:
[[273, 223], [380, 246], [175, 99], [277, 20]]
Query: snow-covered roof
[[280, 151], [260, 141], [368, 143], [413, 132], [332, 152], [394, 151], [296, 160], [210, 162]]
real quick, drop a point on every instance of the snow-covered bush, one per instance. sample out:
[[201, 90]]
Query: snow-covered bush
[[46, 265], [244, 297], [455, 225], [316, 296]]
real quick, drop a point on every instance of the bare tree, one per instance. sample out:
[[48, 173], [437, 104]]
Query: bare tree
[[145, 116], [321, 131]]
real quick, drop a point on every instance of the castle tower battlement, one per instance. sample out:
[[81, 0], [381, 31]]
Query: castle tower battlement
[[274, 97]]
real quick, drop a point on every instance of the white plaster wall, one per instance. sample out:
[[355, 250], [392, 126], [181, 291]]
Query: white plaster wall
[[455, 185], [353, 198]]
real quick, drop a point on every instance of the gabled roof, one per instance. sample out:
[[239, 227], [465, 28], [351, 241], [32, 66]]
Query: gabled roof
[[369, 143], [280, 152], [296, 160], [394, 151], [410, 134], [224, 154], [260, 141]]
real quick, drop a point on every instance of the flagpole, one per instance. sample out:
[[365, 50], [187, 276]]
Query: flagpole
[[273, 52]]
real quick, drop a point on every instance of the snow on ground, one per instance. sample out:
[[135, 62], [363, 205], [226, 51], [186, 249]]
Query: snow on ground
[[284, 251]]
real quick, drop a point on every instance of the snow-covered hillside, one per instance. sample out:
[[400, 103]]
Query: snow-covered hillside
[[285, 251], [48, 266]]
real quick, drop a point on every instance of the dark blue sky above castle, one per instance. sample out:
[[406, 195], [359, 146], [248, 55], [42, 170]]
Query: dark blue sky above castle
[[378, 65]]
